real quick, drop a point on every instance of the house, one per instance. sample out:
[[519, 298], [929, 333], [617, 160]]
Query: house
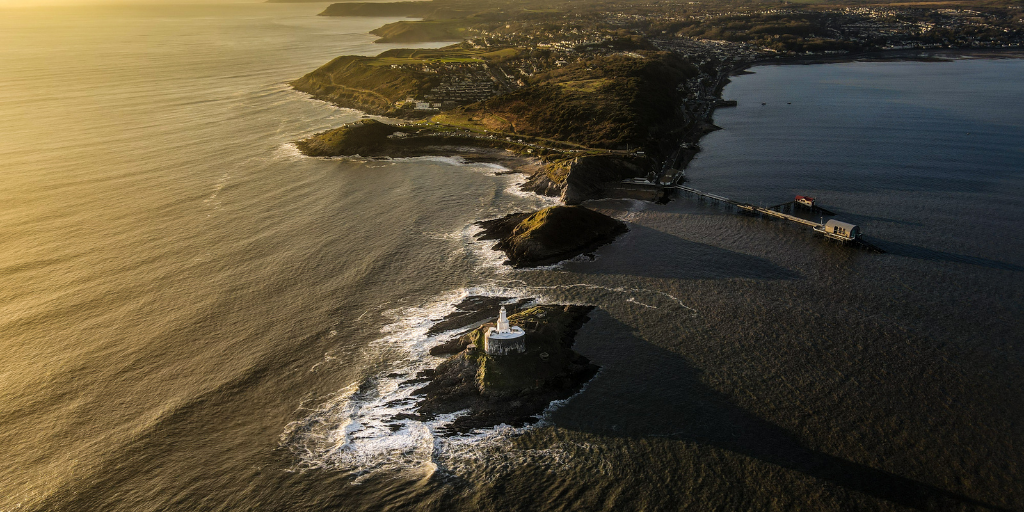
[[805, 200]]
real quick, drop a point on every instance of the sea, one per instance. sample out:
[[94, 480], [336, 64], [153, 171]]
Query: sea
[[194, 316]]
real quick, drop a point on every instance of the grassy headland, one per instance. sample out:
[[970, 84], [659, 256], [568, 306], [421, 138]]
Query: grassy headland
[[551, 234], [587, 119], [407, 9], [369, 84], [599, 92]]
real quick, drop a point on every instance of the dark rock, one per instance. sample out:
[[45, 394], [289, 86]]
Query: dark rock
[[511, 389], [550, 235], [472, 310], [586, 177]]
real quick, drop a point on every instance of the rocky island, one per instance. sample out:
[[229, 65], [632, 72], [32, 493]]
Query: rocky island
[[550, 235], [513, 388]]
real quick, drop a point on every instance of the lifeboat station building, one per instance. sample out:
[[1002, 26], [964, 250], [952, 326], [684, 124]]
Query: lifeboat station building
[[839, 230]]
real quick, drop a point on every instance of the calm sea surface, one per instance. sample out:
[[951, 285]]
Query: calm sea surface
[[195, 317]]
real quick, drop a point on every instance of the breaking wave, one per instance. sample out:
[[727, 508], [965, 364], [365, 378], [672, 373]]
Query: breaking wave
[[371, 425]]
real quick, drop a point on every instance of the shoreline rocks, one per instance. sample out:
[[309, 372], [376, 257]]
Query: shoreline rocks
[[582, 178]]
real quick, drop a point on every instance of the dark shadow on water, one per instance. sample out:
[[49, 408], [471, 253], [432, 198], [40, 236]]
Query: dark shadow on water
[[858, 218], [646, 252], [922, 253], [651, 392]]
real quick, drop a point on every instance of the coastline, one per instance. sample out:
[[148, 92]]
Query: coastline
[[908, 55], [920, 55], [592, 176]]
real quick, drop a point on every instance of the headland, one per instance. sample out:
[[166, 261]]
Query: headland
[[591, 108]]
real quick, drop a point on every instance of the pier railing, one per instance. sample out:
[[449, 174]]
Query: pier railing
[[748, 207]]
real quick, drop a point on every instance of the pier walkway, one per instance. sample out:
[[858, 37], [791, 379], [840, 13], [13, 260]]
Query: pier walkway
[[745, 206]]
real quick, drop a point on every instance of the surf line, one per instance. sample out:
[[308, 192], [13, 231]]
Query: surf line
[[617, 289]]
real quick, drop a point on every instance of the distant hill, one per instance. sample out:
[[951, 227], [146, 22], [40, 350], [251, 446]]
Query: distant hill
[[407, 9]]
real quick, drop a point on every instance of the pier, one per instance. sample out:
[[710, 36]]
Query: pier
[[746, 206], [668, 182], [851, 233]]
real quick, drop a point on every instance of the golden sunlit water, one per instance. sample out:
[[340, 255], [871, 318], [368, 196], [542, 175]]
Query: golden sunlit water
[[195, 317]]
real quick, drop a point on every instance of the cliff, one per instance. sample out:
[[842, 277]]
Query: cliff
[[581, 178], [365, 83], [550, 235], [420, 31], [371, 138]]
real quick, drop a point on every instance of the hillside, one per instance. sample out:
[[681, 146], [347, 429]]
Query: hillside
[[605, 102], [407, 9], [365, 83], [420, 31]]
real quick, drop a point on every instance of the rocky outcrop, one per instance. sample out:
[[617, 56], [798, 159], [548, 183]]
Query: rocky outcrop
[[379, 9], [366, 137], [550, 235], [586, 177], [352, 81], [371, 138], [510, 389]]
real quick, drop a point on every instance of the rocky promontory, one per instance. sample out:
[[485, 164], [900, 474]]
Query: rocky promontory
[[379, 9], [578, 179], [550, 235], [511, 389], [372, 138]]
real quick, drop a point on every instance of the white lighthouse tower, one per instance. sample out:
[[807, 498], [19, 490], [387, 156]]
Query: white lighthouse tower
[[502, 339]]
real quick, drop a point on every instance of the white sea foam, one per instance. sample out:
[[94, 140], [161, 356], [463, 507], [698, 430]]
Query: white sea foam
[[478, 253], [579, 258], [513, 189], [634, 301], [481, 253], [348, 112], [648, 294], [370, 426], [493, 167], [635, 209], [288, 151], [212, 201], [362, 429], [448, 160]]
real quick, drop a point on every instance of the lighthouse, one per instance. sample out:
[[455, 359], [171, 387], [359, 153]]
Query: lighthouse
[[502, 339]]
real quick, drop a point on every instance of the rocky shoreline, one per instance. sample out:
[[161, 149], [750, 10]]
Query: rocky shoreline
[[573, 179]]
